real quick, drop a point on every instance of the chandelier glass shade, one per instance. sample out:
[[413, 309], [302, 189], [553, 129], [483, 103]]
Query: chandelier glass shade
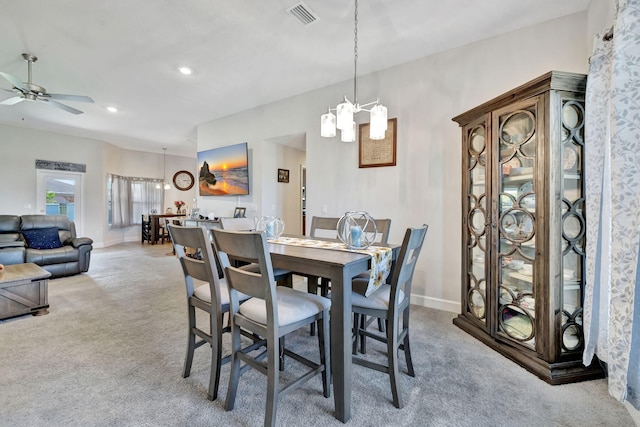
[[328, 125], [343, 120]]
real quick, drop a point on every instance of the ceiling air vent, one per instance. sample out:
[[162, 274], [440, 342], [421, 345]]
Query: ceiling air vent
[[303, 14]]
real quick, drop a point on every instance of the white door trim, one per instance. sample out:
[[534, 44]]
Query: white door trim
[[41, 196]]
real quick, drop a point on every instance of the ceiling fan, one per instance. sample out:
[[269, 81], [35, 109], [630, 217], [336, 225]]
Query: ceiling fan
[[27, 91]]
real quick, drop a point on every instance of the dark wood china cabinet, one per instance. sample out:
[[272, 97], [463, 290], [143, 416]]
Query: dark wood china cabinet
[[523, 235]]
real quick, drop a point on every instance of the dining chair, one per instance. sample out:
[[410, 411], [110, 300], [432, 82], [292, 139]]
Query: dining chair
[[237, 224], [283, 277], [205, 291], [324, 227], [174, 222], [163, 231], [271, 313], [327, 227], [145, 229], [382, 230], [390, 303]]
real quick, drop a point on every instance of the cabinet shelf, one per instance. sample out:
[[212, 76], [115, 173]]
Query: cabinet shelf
[[528, 244], [517, 179], [520, 276]]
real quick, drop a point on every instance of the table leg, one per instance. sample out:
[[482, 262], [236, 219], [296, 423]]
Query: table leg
[[155, 225], [341, 342]]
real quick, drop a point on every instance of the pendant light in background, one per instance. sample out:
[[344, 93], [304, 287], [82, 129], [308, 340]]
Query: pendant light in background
[[164, 168]]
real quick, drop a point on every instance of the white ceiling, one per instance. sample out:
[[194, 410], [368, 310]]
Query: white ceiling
[[244, 53]]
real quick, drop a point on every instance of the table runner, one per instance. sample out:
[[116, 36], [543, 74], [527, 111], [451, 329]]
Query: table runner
[[381, 257]]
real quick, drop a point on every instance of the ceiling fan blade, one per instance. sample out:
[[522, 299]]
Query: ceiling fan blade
[[61, 106], [77, 98], [15, 81], [12, 101]]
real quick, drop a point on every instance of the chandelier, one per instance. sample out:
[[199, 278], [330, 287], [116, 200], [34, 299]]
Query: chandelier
[[165, 184], [343, 119]]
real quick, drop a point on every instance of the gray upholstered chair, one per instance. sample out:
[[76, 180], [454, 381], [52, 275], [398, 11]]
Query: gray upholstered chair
[[205, 291], [390, 303], [322, 227], [325, 227], [283, 277], [273, 312]]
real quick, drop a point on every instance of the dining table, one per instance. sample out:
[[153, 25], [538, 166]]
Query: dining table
[[155, 224], [340, 266]]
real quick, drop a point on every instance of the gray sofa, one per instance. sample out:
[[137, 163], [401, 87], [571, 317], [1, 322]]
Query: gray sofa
[[49, 241]]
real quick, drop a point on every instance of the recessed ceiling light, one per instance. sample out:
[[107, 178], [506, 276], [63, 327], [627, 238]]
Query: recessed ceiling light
[[185, 70], [112, 109]]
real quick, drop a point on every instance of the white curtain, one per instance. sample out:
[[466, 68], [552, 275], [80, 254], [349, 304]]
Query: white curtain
[[132, 197], [146, 195], [120, 201], [612, 162]]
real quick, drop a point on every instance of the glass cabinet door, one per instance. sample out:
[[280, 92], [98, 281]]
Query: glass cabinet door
[[516, 133], [476, 232], [573, 225]]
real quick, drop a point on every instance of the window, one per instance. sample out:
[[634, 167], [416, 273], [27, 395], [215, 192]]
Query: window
[[128, 198]]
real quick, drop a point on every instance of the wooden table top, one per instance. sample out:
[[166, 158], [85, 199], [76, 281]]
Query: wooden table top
[[20, 272]]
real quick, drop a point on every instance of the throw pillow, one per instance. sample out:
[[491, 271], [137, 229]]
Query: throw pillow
[[42, 238]]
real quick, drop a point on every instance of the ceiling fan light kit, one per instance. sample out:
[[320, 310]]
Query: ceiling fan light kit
[[343, 119], [28, 91]]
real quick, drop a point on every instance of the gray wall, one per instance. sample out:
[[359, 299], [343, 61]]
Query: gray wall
[[20, 147], [424, 95]]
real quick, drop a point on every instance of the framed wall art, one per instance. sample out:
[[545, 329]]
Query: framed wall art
[[224, 171], [283, 175], [376, 153]]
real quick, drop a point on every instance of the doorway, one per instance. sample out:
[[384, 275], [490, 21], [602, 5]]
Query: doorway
[[303, 196], [60, 193]]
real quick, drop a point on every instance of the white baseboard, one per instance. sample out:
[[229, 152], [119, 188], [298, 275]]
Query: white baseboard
[[437, 303], [635, 415]]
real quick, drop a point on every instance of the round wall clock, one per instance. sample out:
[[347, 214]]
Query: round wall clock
[[183, 180]]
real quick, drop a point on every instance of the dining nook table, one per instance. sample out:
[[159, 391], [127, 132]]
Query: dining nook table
[[340, 266], [155, 224]]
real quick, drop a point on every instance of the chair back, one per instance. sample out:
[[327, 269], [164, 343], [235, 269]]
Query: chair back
[[200, 264], [237, 224], [146, 228], [327, 227], [406, 263], [324, 227], [383, 226], [251, 247]]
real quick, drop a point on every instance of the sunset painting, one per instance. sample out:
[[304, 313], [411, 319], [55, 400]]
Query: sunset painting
[[224, 171]]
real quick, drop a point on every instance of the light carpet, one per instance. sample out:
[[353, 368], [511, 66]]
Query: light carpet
[[110, 353]]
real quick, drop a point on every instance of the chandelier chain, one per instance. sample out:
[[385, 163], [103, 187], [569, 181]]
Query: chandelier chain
[[355, 56]]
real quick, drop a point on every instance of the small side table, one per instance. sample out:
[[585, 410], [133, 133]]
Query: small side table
[[23, 290]]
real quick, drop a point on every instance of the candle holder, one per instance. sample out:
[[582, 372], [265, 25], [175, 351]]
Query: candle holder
[[271, 225], [357, 230]]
